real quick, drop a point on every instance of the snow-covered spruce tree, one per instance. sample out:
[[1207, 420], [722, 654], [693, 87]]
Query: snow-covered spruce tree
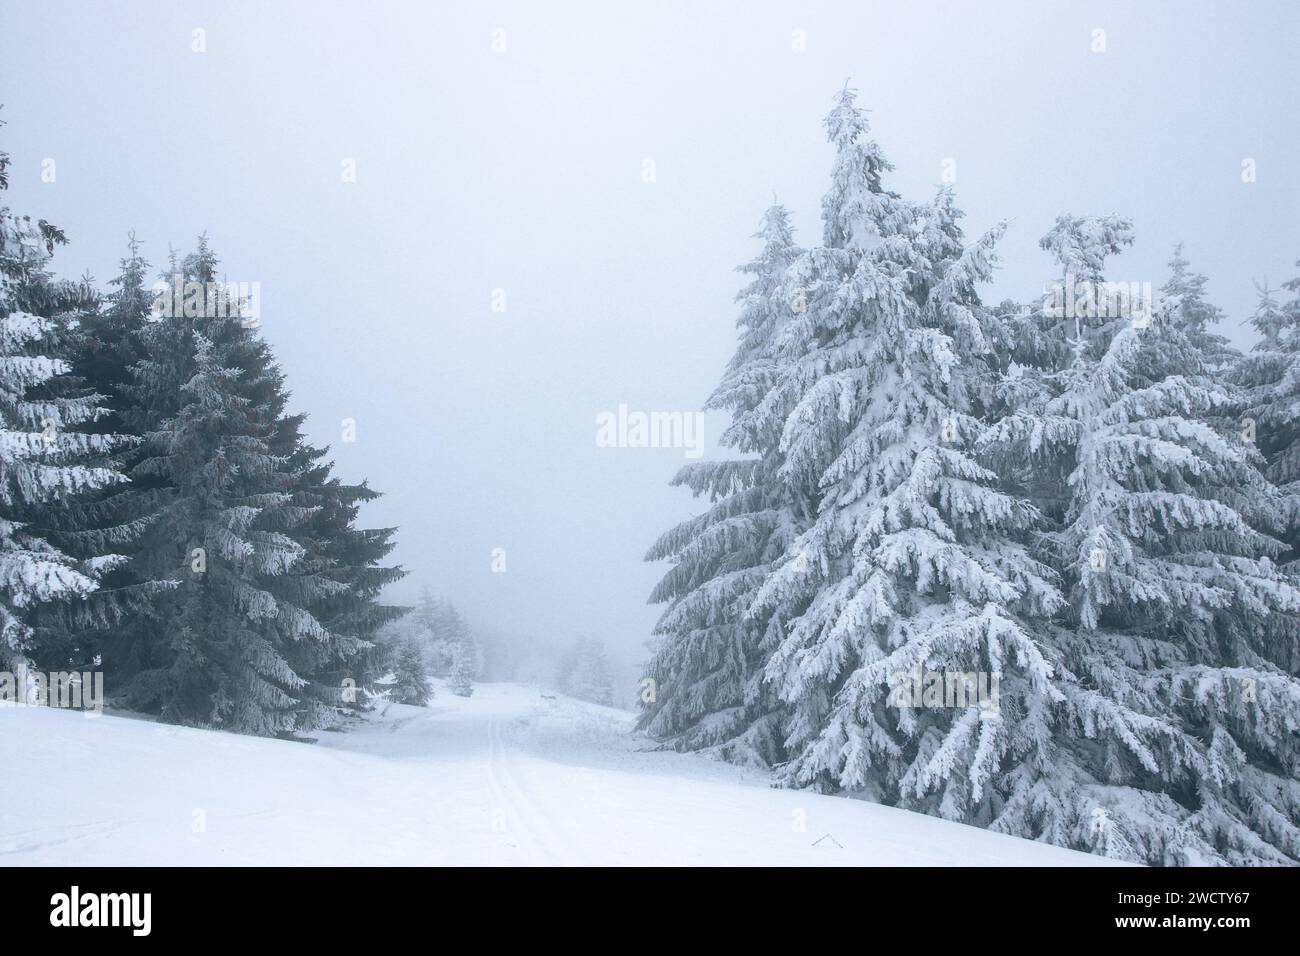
[[708, 663], [213, 650], [109, 340], [412, 683], [450, 633], [1044, 338], [339, 578], [424, 619], [45, 462], [248, 532], [1183, 297], [460, 678], [1270, 379], [1173, 738], [438, 627], [105, 344], [914, 562]]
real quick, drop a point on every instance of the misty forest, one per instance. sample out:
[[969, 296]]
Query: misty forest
[[1028, 566]]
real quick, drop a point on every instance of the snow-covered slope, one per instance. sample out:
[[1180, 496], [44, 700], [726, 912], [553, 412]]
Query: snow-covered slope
[[505, 777]]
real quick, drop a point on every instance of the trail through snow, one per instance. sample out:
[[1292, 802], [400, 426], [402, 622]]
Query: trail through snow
[[503, 778]]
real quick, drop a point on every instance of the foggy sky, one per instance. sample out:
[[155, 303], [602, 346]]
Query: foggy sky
[[522, 171]]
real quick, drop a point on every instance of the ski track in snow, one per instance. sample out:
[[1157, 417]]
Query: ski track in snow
[[503, 778], [519, 808]]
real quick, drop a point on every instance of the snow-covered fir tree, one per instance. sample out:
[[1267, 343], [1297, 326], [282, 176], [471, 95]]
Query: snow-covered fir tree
[[1270, 379], [450, 633], [273, 604], [914, 563], [1051, 496], [708, 664], [1184, 297], [215, 648], [425, 616], [1170, 736], [411, 683], [105, 344], [460, 678], [440, 629], [46, 461], [109, 340], [340, 578]]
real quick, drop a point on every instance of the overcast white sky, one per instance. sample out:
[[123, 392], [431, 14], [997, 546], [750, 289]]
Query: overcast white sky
[[522, 171]]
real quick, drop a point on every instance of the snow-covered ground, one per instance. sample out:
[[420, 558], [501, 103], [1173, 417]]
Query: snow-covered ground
[[505, 777]]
